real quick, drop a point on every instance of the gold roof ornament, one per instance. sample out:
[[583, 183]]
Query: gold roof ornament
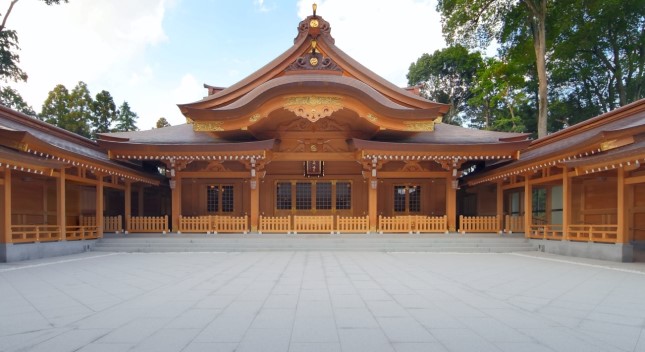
[[315, 7]]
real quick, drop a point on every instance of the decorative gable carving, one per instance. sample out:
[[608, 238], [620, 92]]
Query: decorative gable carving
[[315, 61]]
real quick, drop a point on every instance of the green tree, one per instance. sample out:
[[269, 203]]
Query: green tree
[[70, 111], [446, 77], [126, 119], [10, 98], [103, 113], [162, 122], [9, 59], [478, 22]]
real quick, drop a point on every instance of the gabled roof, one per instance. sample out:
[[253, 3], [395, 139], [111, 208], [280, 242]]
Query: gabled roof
[[320, 40]]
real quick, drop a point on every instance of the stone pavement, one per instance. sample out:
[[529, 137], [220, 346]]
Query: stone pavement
[[321, 301]]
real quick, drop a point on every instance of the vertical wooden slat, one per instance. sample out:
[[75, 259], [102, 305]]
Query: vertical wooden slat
[[60, 203], [6, 213], [128, 205]]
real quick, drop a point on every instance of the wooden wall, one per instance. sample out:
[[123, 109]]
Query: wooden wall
[[433, 196], [638, 214]]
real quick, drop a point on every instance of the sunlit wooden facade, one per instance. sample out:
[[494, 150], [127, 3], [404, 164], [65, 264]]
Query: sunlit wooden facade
[[314, 142]]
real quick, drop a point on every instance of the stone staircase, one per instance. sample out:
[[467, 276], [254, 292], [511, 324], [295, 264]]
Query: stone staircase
[[451, 243]]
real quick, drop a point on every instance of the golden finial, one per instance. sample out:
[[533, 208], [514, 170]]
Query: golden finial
[[315, 7], [313, 44]]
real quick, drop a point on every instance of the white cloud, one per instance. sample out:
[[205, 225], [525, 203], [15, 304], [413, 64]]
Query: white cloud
[[82, 40], [384, 35], [261, 6]]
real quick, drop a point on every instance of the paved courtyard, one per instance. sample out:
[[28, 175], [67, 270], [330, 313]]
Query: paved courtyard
[[321, 301]]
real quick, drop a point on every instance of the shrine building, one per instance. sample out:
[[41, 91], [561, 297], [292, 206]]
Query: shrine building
[[314, 142]]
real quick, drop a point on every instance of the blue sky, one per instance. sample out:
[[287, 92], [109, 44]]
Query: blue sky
[[158, 53]]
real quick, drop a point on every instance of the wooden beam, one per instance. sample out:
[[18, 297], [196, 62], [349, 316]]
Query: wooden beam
[[99, 206], [500, 205], [451, 205], [61, 212], [621, 211], [6, 213], [566, 203], [372, 205], [210, 174], [254, 184], [176, 203], [128, 205], [340, 156], [418, 174], [528, 208], [634, 179], [546, 179]]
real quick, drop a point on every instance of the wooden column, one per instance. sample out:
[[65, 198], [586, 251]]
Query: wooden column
[[6, 213], [528, 206], [140, 201], [566, 203], [99, 206], [176, 203], [128, 205], [622, 208], [451, 205], [255, 203], [372, 202], [500, 206], [61, 212]]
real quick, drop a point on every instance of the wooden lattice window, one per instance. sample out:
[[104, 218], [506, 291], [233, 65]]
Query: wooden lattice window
[[283, 196], [220, 198], [303, 195], [407, 198], [343, 195], [323, 196]]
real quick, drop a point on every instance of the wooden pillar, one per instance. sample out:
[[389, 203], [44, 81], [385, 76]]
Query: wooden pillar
[[622, 208], [61, 212], [99, 206], [140, 201], [451, 204], [176, 203], [6, 213], [528, 206], [128, 205], [255, 203], [372, 202], [548, 206], [500, 206], [566, 203]]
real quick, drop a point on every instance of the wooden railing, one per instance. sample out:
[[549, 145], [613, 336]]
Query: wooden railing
[[593, 233], [478, 224], [201, 224], [402, 223], [275, 224], [35, 233], [81, 233], [313, 224], [148, 224], [513, 223], [546, 231], [229, 224], [430, 223], [110, 223], [355, 224]]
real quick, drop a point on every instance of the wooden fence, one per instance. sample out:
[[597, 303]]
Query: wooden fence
[[229, 224], [35, 233], [353, 224], [513, 223], [478, 224], [81, 233], [402, 223], [275, 224], [148, 224], [110, 223], [201, 224], [546, 231], [430, 223], [313, 224], [594, 233]]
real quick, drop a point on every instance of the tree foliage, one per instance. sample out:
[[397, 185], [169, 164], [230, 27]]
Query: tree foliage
[[446, 76], [78, 112], [10, 98], [162, 122]]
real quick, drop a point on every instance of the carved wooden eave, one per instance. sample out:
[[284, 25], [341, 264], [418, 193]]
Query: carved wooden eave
[[317, 91], [19, 161], [28, 143], [216, 151], [318, 44]]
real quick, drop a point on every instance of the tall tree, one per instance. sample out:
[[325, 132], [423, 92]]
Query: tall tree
[[10, 98], [126, 119], [162, 122], [9, 59], [70, 111], [446, 77], [478, 22], [103, 113]]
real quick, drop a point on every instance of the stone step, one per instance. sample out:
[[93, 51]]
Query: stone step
[[318, 249]]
